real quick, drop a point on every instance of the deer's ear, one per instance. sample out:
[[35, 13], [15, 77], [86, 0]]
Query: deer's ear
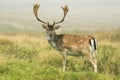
[[44, 26], [56, 27]]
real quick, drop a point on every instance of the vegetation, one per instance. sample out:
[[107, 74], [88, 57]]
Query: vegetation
[[28, 56]]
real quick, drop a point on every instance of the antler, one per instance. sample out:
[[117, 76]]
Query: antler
[[35, 10], [65, 10]]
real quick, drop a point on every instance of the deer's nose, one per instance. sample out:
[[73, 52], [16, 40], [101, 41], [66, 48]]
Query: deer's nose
[[51, 35]]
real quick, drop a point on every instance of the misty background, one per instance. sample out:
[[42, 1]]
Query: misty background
[[82, 14]]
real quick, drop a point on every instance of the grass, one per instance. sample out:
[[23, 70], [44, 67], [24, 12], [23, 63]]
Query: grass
[[29, 57]]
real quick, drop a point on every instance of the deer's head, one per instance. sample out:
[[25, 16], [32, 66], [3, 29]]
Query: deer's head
[[50, 28]]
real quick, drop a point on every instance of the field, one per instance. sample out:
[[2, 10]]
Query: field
[[28, 56]]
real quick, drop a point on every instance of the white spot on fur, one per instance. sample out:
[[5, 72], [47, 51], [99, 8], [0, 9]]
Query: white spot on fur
[[92, 48], [92, 43]]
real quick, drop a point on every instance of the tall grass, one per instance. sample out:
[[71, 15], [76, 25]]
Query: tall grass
[[29, 57]]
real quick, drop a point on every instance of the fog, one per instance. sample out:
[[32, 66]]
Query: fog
[[83, 14]]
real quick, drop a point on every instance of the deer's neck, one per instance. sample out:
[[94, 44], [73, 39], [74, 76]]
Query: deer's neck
[[51, 40]]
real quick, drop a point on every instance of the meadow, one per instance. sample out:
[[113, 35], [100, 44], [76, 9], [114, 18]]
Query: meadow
[[28, 56]]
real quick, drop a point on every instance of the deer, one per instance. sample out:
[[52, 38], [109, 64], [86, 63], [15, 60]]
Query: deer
[[69, 44]]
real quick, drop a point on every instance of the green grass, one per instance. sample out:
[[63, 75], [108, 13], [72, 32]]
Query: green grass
[[29, 57]]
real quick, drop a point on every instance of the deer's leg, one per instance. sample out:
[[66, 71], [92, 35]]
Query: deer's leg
[[91, 55], [94, 63], [64, 58]]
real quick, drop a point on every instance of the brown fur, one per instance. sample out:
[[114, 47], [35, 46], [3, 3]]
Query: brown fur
[[72, 42]]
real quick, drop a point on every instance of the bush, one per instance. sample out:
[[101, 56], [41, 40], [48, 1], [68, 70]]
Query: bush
[[22, 52], [4, 41]]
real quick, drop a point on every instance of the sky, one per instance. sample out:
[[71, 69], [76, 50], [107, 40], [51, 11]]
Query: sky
[[82, 14]]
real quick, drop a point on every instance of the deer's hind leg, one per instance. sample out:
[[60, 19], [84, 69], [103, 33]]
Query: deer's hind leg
[[93, 61]]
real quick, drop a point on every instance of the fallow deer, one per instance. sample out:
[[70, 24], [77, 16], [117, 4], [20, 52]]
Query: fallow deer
[[69, 44]]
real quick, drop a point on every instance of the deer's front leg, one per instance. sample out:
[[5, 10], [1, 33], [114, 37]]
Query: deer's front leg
[[64, 58]]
